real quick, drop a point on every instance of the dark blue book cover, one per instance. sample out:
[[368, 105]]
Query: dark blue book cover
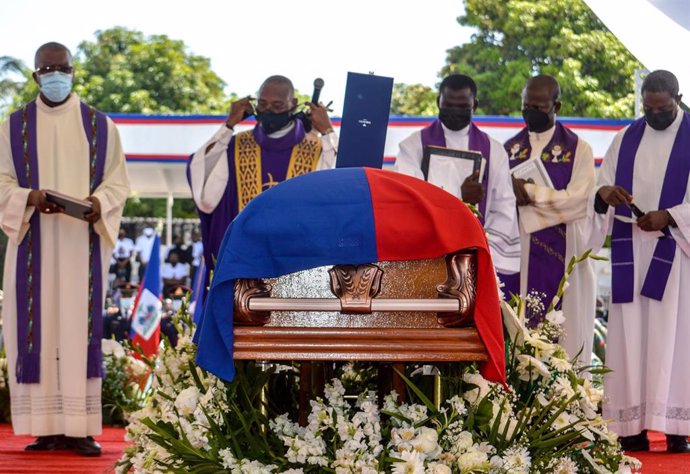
[[365, 120]]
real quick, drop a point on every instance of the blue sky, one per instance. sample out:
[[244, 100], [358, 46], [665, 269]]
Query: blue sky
[[248, 41]]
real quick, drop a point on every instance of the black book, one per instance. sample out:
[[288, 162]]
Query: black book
[[72, 206]]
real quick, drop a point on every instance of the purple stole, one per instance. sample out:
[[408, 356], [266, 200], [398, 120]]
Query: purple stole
[[672, 193], [24, 145], [275, 158], [546, 264], [478, 141]]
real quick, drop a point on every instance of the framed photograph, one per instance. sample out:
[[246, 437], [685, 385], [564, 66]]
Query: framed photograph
[[72, 206], [533, 171], [448, 168]]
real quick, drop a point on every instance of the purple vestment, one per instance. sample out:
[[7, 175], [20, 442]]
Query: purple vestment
[[24, 146], [672, 193], [546, 264], [477, 141], [275, 158]]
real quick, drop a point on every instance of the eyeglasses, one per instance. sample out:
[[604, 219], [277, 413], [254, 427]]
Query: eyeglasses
[[55, 68]]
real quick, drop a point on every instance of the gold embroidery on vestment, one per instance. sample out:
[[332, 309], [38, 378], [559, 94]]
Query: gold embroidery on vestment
[[305, 155]]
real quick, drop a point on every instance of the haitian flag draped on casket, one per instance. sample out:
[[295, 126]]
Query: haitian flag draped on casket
[[345, 216]]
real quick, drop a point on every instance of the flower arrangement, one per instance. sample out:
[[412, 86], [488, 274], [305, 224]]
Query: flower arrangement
[[547, 420], [124, 382], [5, 415]]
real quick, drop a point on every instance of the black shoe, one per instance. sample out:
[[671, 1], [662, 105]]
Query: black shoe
[[638, 442], [677, 444], [42, 443], [85, 446]]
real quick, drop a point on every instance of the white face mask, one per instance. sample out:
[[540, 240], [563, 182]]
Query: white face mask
[[176, 304], [126, 305], [56, 86]]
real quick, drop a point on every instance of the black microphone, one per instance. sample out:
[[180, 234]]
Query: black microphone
[[318, 85]]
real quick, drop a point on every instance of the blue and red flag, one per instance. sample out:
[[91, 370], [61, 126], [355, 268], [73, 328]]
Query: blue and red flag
[[146, 313], [345, 216]]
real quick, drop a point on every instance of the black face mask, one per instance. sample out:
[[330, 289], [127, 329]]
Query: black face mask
[[536, 120], [271, 122], [659, 120], [455, 119]]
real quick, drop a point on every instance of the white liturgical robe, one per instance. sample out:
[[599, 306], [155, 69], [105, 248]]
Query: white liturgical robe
[[566, 206], [64, 401], [648, 345]]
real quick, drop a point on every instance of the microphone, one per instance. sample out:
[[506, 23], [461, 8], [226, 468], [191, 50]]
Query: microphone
[[318, 85]]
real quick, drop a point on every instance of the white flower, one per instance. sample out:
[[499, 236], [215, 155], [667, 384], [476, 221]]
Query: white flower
[[561, 365], [227, 458], [402, 437], [543, 348], [590, 392], [517, 460], [426, 441], [565, 466], [555, 317], [437, 468], [475, 395], [413, 463], [513, 324], [464, 441], [531, 368], [563, 420], [562, 388], [111, 346], [187, 400], [472, 460], [137, 367]]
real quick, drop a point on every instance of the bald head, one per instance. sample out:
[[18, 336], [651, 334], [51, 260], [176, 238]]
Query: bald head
[[541, 102], [279, 81], [50, 49], [545, 83]]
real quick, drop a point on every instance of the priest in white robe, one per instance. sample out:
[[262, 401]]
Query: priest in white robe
[[56, 265], [490, 190], [646, 171], [553, 216]]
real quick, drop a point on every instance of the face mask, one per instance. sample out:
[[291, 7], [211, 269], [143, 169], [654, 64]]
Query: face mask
[[56, 86], [272, 122], [536, 120], [126, 304], [176, 305], [659, 120], [455, 119]]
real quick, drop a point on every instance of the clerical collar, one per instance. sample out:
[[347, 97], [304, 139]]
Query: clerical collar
[[58, 109], [283, 131]]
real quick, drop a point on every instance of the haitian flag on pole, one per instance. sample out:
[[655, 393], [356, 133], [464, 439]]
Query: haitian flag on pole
[[345, 216], [146, 315]]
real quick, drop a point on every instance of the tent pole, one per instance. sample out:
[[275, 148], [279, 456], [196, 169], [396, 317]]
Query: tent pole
[[168, 220]]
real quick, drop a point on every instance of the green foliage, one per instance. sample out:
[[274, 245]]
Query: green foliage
[[123, 379], [125, 71], [156, 207], [413, 99], [518, 38], [13, 76]]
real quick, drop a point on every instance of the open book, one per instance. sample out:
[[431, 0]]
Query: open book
[[72, 206], [448, 168], [533, 171]]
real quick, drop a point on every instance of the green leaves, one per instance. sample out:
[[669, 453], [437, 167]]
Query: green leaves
[[516, 39]]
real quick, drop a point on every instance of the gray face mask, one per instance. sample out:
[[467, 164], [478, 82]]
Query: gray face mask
[[56, 86]]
